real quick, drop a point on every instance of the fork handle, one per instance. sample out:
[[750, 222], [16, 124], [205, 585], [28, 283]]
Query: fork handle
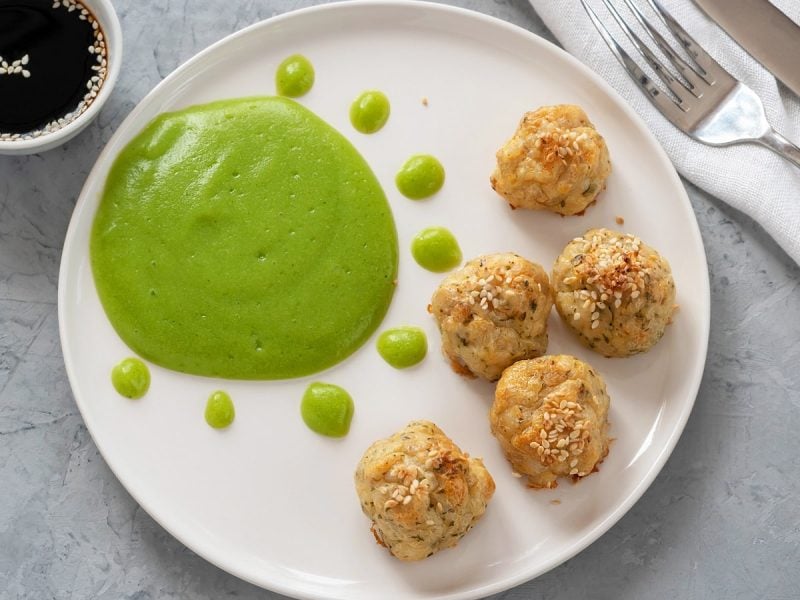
[[781, 146]]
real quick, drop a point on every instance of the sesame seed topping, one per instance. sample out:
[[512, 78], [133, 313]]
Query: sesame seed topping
[[559, 436], [609, 268]]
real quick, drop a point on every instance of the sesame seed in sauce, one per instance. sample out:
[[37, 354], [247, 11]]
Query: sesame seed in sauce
[[25, 67]]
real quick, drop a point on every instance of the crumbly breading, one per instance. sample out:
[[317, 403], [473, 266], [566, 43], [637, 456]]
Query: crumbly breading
[[550, 415], [493, 312], [613, 290], [421, 491], [556, 160]]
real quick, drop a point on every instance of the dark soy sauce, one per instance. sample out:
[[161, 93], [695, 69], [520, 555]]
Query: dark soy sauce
[[47, 67]]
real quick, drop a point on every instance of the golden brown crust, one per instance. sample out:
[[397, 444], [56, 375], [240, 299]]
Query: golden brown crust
[[550, 415], [493, 312], [421, 491], [614, 291], [556, 160]]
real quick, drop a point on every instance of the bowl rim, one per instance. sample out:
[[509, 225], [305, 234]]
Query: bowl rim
[[104, 12]]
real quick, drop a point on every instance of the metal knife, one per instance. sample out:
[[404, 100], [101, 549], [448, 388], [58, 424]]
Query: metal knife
[[771, 37]]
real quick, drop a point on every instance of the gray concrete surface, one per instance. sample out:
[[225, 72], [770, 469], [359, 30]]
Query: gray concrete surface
[[720, 521]]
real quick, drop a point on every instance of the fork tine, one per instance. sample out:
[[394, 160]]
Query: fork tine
[[696, 78], [712, 69], [677, 87], [668, 107]]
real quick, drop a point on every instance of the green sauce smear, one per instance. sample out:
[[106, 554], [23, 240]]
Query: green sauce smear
[[295, 76], [131, 378], [436, 249], [403, 347], [244, 239], [420, 177], [219, 410], [327, 409], [370, 111]]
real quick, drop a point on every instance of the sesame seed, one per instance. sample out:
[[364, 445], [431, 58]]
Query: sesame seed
[[515, 474], [430, 522], [406, 500]]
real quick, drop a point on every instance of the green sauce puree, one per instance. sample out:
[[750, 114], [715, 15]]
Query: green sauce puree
[[370, 111], [244, 239], [402, 347], [436, 249], [131, 378], [420, 177], [327, 409], [219, 410], [294, 77]]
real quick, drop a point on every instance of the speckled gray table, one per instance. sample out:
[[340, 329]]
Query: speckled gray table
[[722, 520]]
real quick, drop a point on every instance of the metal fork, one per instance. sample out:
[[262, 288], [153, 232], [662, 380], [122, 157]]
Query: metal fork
[[708, 103]]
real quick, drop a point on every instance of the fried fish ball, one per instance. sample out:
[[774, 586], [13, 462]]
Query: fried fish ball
[[614, 291], [550, 415], [422, 493], [556, 160], [493, 312]]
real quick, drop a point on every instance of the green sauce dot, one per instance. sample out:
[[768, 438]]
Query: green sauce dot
[[402, 347], [295, 76], [420, 177], [131, 378], [370, 111], [219, 410], [436, 249], [327, 409]]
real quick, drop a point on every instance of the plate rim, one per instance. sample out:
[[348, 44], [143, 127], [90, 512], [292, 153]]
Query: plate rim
[[703, 295]]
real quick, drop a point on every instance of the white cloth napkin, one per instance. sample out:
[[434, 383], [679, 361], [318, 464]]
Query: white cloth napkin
[[748, 177]]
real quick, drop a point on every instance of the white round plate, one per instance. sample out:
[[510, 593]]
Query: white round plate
[[272, 502]]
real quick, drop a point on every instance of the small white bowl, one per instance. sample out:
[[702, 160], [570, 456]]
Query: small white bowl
[[105, 14]]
